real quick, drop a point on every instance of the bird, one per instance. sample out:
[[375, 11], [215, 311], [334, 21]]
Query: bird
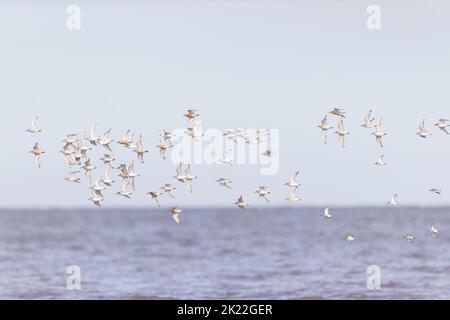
[[433, 230], [37, 152], [435, 190], [268, 153], [124, 192], [341, 132], [292, 183], [70, 139], [167, 188], [155, 196], [292, 197], [107, 159], [368, 121], [88, 168], [189, 177], [338, 112], [106, 179], [423, 132], [93, 139], [164, 144], [326, 213], [226, 158], [140, 150], [240, 203], [96, 198], [393, 200], [34, 128], [131, 176], [72, 177], [224, 182], [125, 139], [191, 114], [379, 133], [180, 176], [380, 162], [104, 140], [195, 132], [97, 187], [350, 237], [263, 192], [325, 127], [235, 135], [443, 124], [409, 238], [175, 213]]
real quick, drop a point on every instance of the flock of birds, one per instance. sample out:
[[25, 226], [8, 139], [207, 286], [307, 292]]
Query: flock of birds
[[76, 149]]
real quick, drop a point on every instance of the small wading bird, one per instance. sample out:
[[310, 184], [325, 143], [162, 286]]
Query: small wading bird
[[423, 132], [292, 197], [380, 162], [436, 191], [155, 196], [224, 182], [175, 213], [325, 127], [191, 114], [240, 203], [189, 177], [37, 152], [72, 177], [409, 238], [443, 124], [88, 168], [124, 192], [433, 230], [93, 139], [379, 133], [180, 176], [167, 188], [350, 237], [34, 128], [262, 192], [326, 213], [342, 133], [106, 179], [393, 200], [105, 140], [338, 112], [125, 140], [292, 183], [140, 150], [227, 158], [368, 121], [96, 198]]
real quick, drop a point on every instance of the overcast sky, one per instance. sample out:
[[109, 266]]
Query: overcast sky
[[243, 64]]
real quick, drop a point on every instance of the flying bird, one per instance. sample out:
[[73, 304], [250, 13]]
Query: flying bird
[[409, 238], [191, 114], [167, 188], [368, 121], [436, 190], [342, 133], [37, 152], [433, 230], [224, 182], [263, 192], [175, 213], [393, 200], [379, 133], [155, 196], [326, 213], [380, 162], [338, 112], [325, 127], [34, 128], [443, 124], [241, 203], [423, 132], [72, 177], [292, 183]]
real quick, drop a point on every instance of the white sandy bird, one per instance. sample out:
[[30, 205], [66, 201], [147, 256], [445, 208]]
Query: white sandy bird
[[262, 192], [180, 176], [124, 192], [93, 139], [380, 162], [132, 175], [189, 177], [105, 140], [140, 150], [88, 168], [393, 200], [168, 188], [34, 128], [107, 159], [436, 190], [224, 182], [368, 121], [96, 198], [97, 187], [409, 238], [342, 133], [191, 114], [227, 159], [325, 127], [292, 183], [350, 237], [70, 138], [326, 213], [235, 134], [423, 132], [164, 144], [72, 161], [195, 132], [72, 177], [106, 179], [37, 152], [241, 203], [155, 196], [379, 133], [292, 197], [338, 112], [443, 125], [268, 153], [175, 213], [433, 230]]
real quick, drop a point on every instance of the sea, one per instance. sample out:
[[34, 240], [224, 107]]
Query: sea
[[217, 253]]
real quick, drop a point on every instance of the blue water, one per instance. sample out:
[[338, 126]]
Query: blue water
[[224, 254]]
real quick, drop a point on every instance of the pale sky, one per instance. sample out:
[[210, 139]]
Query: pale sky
[[243, 64]]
